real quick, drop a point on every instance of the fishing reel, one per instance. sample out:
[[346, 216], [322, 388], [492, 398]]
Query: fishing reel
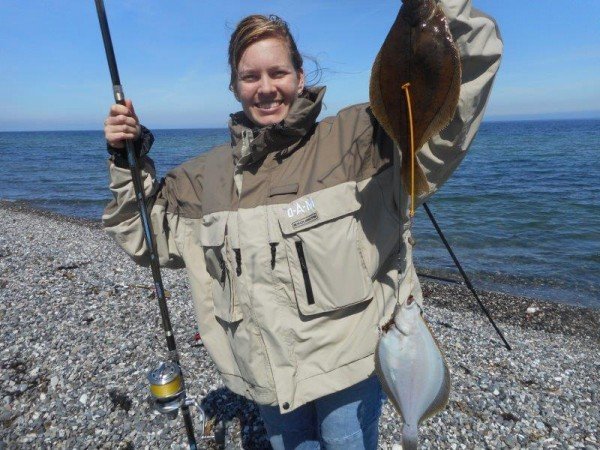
[[168, 393]]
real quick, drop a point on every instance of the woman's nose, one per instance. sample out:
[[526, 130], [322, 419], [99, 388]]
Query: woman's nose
[[266, 85]]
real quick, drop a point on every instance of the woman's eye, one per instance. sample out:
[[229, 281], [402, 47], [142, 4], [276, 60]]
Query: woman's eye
[[247, 76]]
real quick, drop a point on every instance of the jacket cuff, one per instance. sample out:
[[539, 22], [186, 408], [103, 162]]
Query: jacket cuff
[[141, 145]]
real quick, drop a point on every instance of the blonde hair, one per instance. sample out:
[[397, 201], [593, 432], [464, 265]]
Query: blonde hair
[[252, 29]]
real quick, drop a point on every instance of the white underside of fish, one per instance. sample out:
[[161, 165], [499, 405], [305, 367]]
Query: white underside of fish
[[412, 370]]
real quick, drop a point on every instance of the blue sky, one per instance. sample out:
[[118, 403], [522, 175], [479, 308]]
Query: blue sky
[[172, 57]]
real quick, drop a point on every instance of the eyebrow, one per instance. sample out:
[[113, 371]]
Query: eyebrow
[[277, 67]]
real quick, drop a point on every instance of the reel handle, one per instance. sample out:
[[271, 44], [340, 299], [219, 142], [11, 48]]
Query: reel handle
[[190, 401]]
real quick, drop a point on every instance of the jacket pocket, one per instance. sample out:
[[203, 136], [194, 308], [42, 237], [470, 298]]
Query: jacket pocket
[[326, 266], [214, 245]]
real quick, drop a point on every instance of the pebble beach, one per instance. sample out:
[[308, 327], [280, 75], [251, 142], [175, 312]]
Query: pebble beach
[[80, 329]]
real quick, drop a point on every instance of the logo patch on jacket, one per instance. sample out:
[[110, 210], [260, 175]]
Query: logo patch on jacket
[[303, 210], [308, 219]]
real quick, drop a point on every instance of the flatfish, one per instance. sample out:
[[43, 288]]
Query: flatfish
[[412, 370], [419, 50]]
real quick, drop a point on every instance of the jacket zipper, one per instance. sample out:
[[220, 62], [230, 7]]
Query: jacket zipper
[[238, 261], [273, 254], [309, 292], [223, 271]]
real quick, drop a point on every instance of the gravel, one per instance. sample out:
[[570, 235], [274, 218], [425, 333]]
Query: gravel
[[80, 329]]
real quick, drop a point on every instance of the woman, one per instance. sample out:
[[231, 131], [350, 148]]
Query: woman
[[290, 233]]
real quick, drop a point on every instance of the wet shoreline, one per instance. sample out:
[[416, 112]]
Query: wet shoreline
[[563, 317]]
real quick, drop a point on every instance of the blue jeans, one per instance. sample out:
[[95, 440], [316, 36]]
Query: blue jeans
[[344, 420]]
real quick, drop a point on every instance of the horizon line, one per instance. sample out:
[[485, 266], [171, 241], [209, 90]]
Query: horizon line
[[544, 117]]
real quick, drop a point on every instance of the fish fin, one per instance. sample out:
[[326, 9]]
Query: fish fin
[[376, 98], [447, 384], [388, 392], [446, 110], [441, 399]]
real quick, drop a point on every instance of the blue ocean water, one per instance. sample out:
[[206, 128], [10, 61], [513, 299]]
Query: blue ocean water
[[522, 212]]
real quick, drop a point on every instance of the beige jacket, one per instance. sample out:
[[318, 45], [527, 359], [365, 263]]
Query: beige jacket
[[291, 235]]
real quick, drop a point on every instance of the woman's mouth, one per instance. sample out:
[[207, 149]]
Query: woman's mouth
[[269, 106]]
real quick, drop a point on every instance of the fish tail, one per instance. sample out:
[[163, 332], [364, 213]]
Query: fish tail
[[410, 437]]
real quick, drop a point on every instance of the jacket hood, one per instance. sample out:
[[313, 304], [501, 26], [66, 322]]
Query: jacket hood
[[283, 135]]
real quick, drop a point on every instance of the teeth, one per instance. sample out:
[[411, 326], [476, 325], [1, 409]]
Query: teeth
[[269, 105]]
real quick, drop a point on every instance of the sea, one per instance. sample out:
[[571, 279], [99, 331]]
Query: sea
[[521, 213]]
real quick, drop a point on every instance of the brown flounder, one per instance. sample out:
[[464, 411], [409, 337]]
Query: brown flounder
[[419, 50]]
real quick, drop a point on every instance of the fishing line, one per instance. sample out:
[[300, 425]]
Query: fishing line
[[405, 88]]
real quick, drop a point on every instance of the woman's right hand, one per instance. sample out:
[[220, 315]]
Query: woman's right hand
[[121, 124]]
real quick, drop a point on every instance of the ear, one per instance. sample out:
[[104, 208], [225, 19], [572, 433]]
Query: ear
[[235, 94], [300, 81]]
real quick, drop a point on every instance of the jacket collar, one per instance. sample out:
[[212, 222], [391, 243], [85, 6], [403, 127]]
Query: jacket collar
[[250, 143]]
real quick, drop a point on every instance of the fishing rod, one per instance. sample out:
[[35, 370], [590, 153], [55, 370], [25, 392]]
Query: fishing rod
[[463, 273], [167, 385]]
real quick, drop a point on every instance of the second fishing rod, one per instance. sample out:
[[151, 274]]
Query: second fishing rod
[[167, 384]]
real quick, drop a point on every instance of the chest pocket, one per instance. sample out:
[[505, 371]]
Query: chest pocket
[[320, 232], [220, 264]]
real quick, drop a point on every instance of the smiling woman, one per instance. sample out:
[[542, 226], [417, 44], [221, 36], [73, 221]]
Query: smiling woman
[[290, 233]]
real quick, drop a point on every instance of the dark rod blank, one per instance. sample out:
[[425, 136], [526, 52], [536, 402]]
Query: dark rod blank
[[145, 217], [464, 275]]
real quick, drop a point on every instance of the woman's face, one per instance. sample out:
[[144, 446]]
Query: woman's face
[[267, 84]]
